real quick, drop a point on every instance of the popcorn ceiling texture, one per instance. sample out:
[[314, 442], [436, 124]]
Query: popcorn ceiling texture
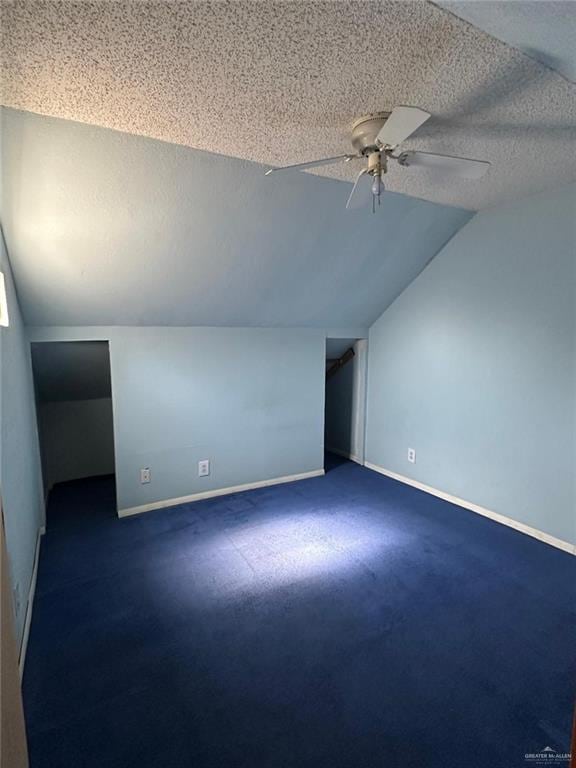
[[281, 82]]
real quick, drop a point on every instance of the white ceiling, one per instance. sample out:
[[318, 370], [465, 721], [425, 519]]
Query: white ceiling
[[107, 228], [277, 82], [543, 29]]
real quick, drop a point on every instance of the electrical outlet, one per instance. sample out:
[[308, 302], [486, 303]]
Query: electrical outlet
[[412, 455], [145, 475], [204, 468]]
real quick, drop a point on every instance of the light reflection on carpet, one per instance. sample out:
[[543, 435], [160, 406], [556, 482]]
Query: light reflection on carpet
[[260, 556]]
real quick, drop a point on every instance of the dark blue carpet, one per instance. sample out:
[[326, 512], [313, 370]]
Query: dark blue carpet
[[340, 622]]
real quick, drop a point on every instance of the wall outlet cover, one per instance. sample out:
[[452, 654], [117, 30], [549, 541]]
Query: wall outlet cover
[[204, 468], [145, 475], [412, 455]]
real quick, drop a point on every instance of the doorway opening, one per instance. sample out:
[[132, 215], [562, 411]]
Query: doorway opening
[[345, 400], [73, 389]]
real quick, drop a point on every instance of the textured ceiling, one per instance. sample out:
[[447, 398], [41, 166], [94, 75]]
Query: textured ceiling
[[106, 228], [543, 29], [78, 370], [281, 82]]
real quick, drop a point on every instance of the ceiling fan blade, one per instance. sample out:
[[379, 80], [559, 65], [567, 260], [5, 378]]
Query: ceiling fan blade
[[403, 121], [461, 167], [313, 163], [361, 194]]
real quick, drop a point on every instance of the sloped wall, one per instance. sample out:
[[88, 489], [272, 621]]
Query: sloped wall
[[108, 228]]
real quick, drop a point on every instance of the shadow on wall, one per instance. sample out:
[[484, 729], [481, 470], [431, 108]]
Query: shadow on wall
[[345, 398], [74, 407]]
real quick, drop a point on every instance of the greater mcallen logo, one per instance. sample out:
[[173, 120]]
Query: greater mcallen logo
[[546, 756]]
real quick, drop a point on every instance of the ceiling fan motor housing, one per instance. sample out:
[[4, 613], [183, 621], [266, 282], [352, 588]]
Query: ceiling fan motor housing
[[365, 130], [376, 163]]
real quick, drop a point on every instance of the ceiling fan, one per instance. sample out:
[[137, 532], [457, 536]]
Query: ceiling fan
[[376, 138]]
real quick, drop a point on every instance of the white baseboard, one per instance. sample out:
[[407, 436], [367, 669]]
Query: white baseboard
[[566, 546], [344, 454], [30, 603], [218, 492]]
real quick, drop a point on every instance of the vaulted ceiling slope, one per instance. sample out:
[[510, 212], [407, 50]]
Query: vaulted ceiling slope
[[107, 228], [279, 83], [543, 29]]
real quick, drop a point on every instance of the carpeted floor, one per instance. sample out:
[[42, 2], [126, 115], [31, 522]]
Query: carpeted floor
[[347, 621]]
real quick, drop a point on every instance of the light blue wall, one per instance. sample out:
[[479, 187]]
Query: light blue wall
[[20, 476], [544, 30], [114, 229], [474, 366], [249, 399]]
